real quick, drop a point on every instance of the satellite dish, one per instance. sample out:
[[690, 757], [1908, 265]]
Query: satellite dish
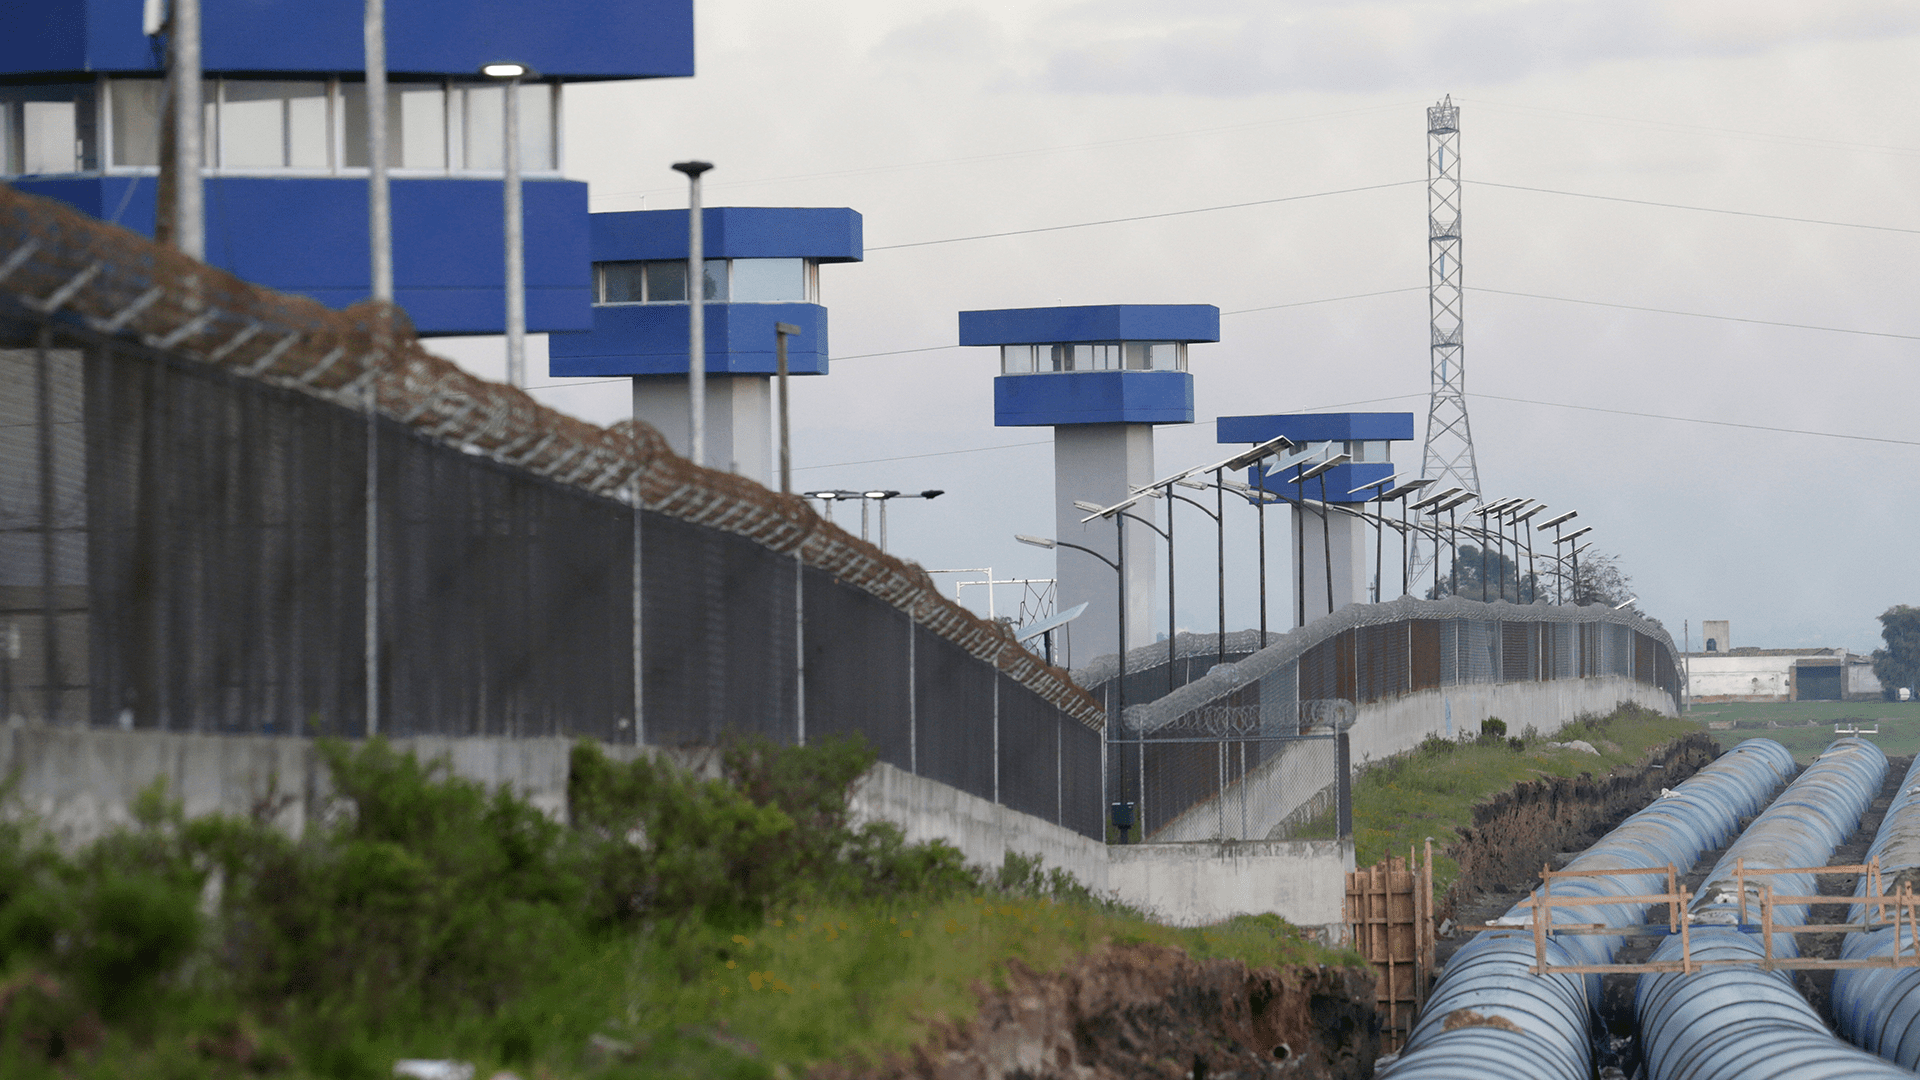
[[1036, 629]]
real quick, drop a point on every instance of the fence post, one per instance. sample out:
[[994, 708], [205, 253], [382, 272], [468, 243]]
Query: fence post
[[799, 647], [49, 590], [1343, 790]]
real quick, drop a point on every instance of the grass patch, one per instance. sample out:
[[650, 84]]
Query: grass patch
[[1806, 727], [1431, 790]]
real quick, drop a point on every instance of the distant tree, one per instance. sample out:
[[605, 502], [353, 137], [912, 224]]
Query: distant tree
[[1506, 578], [1599, 580], [1898, 664]]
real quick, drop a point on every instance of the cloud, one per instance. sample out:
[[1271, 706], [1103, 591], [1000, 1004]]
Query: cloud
[[1226, 49]]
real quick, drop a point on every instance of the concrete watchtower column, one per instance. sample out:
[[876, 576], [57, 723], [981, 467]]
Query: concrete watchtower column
[[762, 269], [1101, 377]]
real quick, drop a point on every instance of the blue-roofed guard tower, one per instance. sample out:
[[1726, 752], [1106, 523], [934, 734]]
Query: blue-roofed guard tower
[[1101, 377], [285, 165], [762, 267], [1318, 528]]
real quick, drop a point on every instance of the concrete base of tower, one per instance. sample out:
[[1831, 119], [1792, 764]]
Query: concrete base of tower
[[1102, 463], [739, 412], [1314, 537]]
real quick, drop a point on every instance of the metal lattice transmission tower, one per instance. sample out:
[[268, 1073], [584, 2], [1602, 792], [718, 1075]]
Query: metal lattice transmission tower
[[1449, 457]]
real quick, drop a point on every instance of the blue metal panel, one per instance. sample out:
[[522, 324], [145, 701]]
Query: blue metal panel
[[732, 232], [1109, 322], [561, 39], [1093, 397], [651, 339], [1341, 479], [309, 236], [1317, 427]]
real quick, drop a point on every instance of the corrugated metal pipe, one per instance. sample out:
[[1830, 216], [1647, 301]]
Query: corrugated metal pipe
[[1489, 1017], [1743, 1023], [1879, 1008]]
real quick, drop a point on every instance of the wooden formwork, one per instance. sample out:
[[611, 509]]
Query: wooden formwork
[[1389, 915], [1898, 908]]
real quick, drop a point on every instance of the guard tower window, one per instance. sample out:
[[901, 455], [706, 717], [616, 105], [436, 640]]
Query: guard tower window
[[1370, 450], [1096, 356], [738, 281], [48, 129], [274, 125]]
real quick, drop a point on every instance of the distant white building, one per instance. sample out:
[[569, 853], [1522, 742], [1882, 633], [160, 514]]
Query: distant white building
[[1750, 674]]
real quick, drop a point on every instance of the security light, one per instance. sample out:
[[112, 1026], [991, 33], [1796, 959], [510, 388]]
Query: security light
[[508, 69], [1089, 507], [1441, 497], [1331, 463], [1035, 541], [878, 494]]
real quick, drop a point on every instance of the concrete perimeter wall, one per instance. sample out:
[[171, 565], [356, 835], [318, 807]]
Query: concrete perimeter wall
[[1193, 884], [1385, 728], [983, 831], [82, 782]]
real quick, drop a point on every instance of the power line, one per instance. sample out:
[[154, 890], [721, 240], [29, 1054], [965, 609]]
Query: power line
[[1698, 314], [1143, 217], [1698, 420], [1048, 442], [1006, 154], [1326, 300], [1702, 129], [1701, 209]]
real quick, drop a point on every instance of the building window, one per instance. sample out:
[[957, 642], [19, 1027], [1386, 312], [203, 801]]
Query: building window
[[48, 129], [737, 281], [1375, 450], [1096, 356], [271, 126]]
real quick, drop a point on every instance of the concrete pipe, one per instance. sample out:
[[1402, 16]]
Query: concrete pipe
[[1742, 1023], [1879, 1008], [1489, 1017]]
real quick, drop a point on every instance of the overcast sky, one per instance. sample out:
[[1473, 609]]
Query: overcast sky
[[942, 121]]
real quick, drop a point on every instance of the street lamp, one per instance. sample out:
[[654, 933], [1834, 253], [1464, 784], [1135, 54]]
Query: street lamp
[[1554, 523], [696, 315], [781, 332], [1401, 492], [1431, 505], [1118, 512], [884, 497], [1318, 472], [511, 73], [1533, 579], [1574, 552], [1453, 541], [1219, 555], [1119, 568]]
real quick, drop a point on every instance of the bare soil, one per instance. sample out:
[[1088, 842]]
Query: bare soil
[[1150, 1011]]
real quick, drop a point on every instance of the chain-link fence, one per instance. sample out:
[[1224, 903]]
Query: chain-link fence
[[1246, 750], [199, 509]]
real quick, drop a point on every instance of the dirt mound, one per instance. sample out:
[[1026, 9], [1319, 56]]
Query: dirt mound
[[1518, 830], [1150, 1011]]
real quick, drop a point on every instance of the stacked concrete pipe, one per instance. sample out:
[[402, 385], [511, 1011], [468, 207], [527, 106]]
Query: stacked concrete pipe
[[1744, 1023], [1490, 1017], [1879, 1008]]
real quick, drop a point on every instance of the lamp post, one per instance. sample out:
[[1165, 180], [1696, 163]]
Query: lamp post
[[510, 73], [883, 497], [1554, 523], [1573, 537], [1319, 472], [1431, 505], [1453, 540], [1533, 579], [781, 332], [696, 315], [1403, 492], [1506, 518], [1119, 567], [1379, 528], [1118, 512], [1219, 555]]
